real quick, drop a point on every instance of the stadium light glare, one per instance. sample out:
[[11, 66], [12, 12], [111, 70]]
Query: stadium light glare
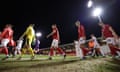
[[90, 4], [97, 12], [38, 34]]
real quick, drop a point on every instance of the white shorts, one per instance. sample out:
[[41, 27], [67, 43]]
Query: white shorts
[[54, 43], [110, 40], [19, 44], [81, 41], [4, 42], [18, 47]]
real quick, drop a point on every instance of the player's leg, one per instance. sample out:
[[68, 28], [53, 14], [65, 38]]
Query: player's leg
[[16, 51], [23, 51], [13, 51], [78, 50], [82, 46], [4, 43], [0, 50], [60, 51], [9, 50], [93, 52], [51, 53], [29, 42], [111, 43], [98, 51], [102, 53], [19, 51]]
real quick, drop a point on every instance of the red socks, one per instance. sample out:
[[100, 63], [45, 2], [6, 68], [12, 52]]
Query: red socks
[[51, 51], [58, 49]]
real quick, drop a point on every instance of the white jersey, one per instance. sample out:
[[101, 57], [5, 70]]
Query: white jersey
[[96, 44], [95, 39], [19, 44]]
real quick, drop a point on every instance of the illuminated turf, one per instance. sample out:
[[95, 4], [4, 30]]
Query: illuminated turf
[[70, 64]]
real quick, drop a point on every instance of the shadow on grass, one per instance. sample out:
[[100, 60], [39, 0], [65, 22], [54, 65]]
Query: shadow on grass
[[22, 61], [39, 65], [114, 61], [113, 65], [53, 63]]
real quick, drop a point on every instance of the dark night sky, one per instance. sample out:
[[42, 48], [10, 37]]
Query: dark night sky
[[62, 12]]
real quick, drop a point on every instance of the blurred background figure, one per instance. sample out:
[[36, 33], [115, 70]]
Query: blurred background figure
[[37, 46]]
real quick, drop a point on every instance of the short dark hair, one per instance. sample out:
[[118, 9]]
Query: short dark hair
[[32, 24], [9, 25], [54, 25]]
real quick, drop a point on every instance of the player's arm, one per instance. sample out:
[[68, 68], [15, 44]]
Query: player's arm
[[24, 34], [51, 33], [34, 38], [59, 37], [113, 32], [3, 33], [102, 36], [83, 32]]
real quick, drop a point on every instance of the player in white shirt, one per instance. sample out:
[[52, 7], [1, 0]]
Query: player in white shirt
[[18, 47]]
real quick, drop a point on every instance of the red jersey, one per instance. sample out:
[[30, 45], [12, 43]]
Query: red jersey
[[81, 31], [106, 32], [56, 34], [7, 33]]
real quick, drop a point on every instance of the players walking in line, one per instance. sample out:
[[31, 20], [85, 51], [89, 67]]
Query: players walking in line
[[56, 38], [5, 38], [30, 37], [109, 34]]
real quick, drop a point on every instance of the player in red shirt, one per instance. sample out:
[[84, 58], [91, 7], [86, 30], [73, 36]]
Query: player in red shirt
[[109, 35], [55, 42], [5, 38], [81, 38]]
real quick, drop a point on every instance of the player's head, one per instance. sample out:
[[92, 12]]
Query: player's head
[[9, 25], [77, 23], [91, 35], [32, 25], [101, 24], [54, 25]]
